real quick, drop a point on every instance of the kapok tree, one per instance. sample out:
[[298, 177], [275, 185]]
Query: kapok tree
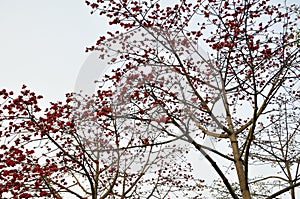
[[132, 138], [76, 149], [243, 90]]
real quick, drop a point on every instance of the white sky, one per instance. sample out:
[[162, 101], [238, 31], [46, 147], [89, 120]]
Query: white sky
[[42, 44]]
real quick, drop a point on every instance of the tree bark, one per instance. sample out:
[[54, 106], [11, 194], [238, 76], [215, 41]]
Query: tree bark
[[239, 168]]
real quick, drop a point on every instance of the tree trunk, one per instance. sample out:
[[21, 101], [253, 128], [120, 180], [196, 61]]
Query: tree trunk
[[240, 168]]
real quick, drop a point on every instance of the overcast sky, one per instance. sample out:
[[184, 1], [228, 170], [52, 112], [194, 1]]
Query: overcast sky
[[42, 44]]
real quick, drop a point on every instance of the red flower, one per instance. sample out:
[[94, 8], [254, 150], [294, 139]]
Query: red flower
[[25, 195]]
